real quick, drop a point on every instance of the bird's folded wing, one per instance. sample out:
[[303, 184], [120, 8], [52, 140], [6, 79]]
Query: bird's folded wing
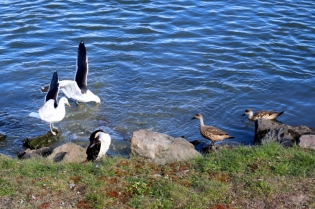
[[47, 110]]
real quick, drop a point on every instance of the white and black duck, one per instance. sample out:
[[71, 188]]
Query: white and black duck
[[99, 145]]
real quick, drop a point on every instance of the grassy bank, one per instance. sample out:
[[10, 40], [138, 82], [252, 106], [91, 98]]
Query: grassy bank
[[267, 176]]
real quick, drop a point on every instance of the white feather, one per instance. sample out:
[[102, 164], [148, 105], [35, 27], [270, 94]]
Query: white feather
[[105, 143], [34, 115], [51, 114], [72, 90]]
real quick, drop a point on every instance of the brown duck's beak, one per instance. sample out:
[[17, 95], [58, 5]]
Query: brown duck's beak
[[193, 118], [243, 114]]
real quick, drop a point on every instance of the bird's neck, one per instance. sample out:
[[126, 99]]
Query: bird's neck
[[201, 122], [250, 115], [61, 105]]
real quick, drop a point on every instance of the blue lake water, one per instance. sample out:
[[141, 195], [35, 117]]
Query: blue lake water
[[155, 64]]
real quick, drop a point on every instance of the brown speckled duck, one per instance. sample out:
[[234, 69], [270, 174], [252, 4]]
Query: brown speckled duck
[[209, 132], [270, 115]]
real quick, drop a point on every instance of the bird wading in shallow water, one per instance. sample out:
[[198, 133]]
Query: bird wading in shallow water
[[270, 115], [52, 111], [210, 132], [77, 89], [99, 145]]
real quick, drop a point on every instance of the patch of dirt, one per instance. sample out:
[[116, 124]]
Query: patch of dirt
[[5, 202]]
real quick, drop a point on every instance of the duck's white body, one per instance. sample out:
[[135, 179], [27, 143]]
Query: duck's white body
[[105, 143]]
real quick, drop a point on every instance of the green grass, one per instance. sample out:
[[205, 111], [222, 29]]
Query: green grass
[[242, 177]]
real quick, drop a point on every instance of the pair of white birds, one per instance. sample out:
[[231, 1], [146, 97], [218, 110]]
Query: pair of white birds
[[77, 89]]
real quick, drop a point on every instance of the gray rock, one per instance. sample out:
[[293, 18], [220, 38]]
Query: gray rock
[[68, 153], [307, 141], [161, 148], [269, 130], [37, 153]]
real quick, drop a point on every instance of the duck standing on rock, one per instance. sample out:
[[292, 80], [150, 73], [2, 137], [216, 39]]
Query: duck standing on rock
[[269, 115], [51, 111], [99, 145], [212, 133]]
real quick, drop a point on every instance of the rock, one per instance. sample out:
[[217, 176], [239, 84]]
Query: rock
[[161, 148], [42, 141], [37, 153], [2, 135], [205, 146], [269, 130], [262, 127], [195, 142], [68, 153], [307, 141]]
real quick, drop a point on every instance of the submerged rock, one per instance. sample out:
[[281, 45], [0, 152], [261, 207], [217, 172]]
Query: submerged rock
[[2, 135], [161, 148], [42, 141], [205, 146], [37, 153], [68, 153], [269, 130]]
